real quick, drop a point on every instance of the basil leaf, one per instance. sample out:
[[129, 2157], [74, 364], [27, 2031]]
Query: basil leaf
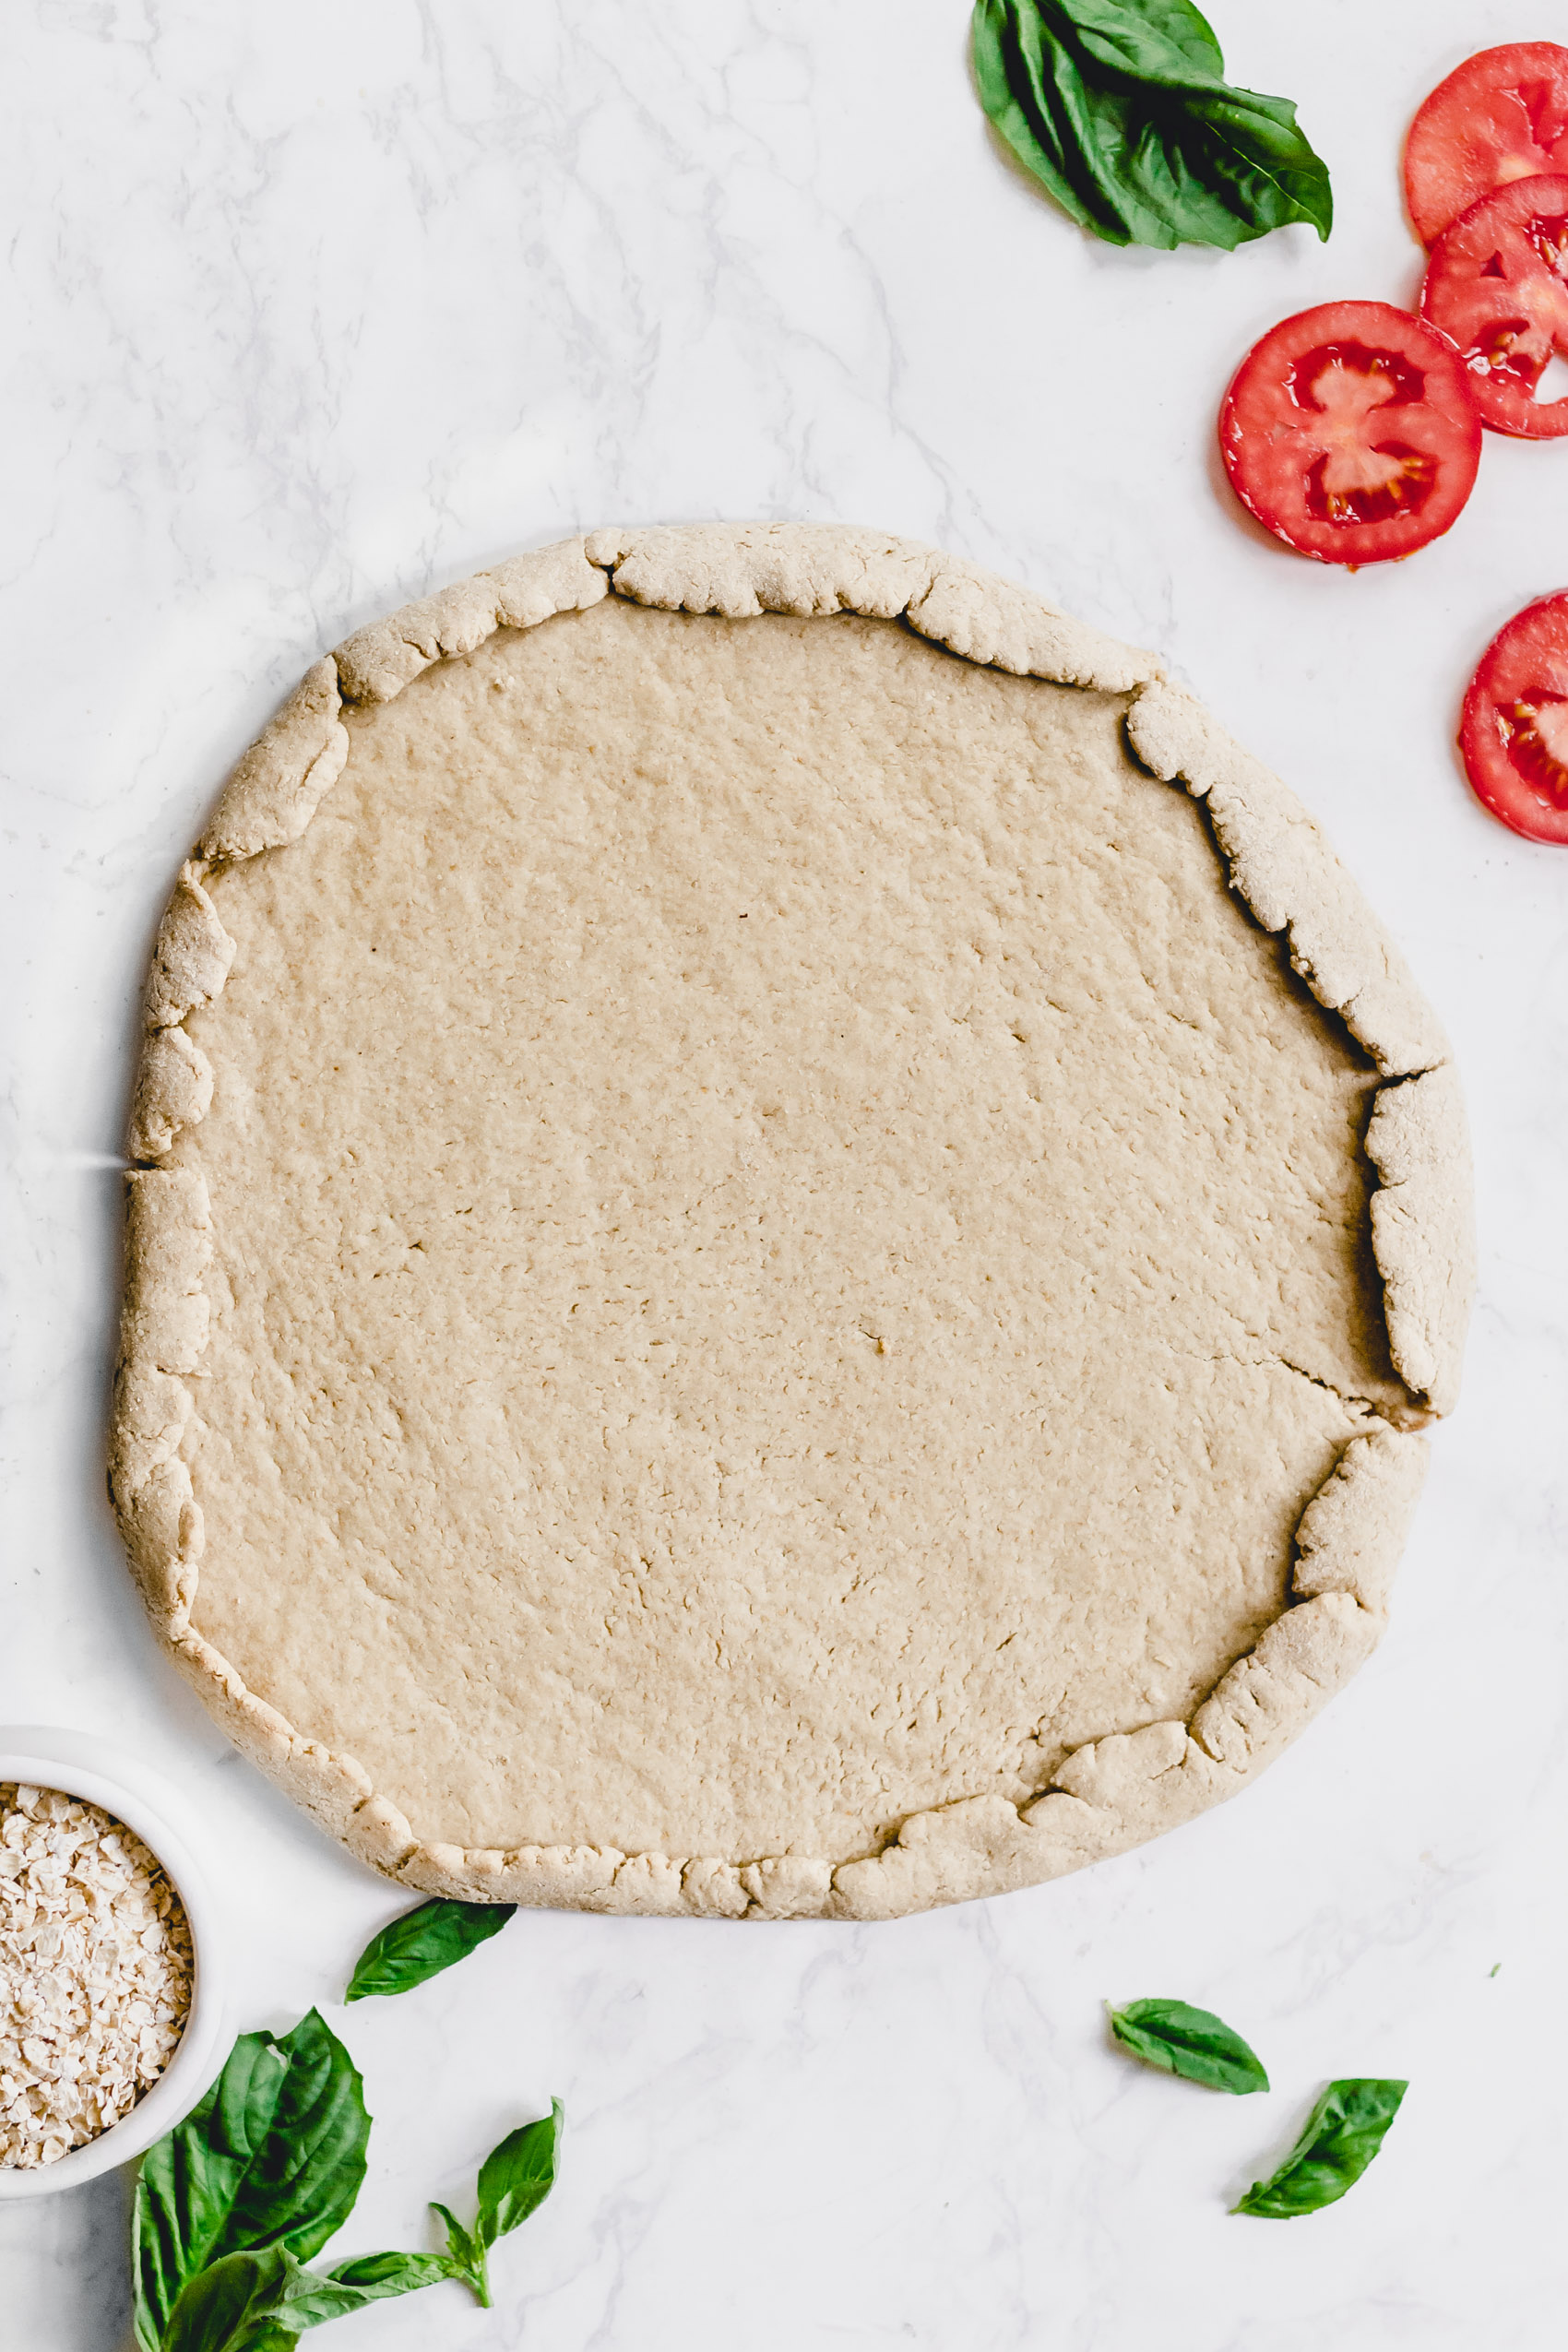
[[300, 2186], [216, 2304], [423, 1942], [465, 2257], [1120, 110], [518, 2174], [274, 2154], [1193, 2043], [464, 2252], [189, 2180], [257, 2302], [1338, 2140], [514, 2181], [391, 2274]]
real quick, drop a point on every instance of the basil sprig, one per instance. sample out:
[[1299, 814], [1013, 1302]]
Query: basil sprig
[[1191, 2042], [1338, 2140], [514, 2178], [233, 2203], [420, 1943], [1120, 109]]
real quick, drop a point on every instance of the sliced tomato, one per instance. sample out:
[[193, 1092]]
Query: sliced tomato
[[1501, 116], [1497, 286], [1350, 433], [1514, 733]]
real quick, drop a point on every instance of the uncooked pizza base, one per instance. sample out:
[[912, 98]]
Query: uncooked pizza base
[[754, 1292]]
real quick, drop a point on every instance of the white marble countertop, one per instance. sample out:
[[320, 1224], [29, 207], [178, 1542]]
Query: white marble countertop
[[312, 307]]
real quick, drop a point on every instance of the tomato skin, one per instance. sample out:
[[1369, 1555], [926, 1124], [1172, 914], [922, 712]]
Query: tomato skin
[[1350, 432], [1514, 731], [1497, 286], [1501, 116]]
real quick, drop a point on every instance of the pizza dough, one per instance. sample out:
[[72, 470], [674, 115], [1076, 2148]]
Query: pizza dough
[[766, 1277]]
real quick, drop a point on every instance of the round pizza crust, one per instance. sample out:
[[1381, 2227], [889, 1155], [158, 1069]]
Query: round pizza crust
[[765, 1279]]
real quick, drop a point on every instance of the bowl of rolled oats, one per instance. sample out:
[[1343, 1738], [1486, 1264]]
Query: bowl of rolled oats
[[110, 2009]]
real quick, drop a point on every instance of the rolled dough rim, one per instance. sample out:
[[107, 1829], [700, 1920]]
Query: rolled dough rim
[[1110, 1794]]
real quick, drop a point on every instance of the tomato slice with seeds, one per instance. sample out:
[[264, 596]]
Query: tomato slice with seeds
[[1501, 116], [1497, 286], [1350, 432], [1514, 733]]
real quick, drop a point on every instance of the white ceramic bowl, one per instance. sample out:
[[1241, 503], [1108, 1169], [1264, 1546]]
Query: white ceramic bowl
[[86, 1767]]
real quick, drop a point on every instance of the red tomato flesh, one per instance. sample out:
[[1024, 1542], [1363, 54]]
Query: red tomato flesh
[[1348, 430], [1514, 733], [1497, 286], [1501, 116]]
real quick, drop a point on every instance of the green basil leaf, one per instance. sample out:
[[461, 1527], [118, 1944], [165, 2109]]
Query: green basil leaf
[[300, 2186], [1193, 2043], [518, 2174], [219, 2304], [391, 2274], [273, 2153], [1338, 2140], [189, 2180], [423, 1942], [463, 2250], [262, 2301], [1120, 110]]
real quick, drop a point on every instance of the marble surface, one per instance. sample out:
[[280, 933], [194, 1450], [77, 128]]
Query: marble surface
[[312, 308]]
